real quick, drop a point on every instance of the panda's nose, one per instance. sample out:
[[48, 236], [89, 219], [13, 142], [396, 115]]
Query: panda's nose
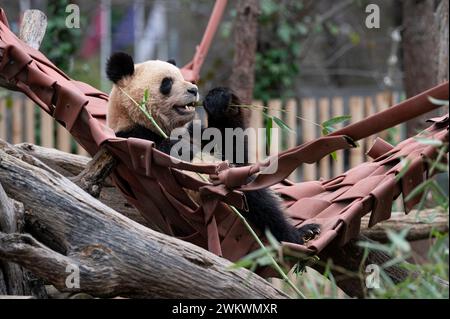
[[193, 91]]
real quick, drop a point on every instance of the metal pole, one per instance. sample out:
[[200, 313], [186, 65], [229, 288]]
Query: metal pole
[[105, 42]]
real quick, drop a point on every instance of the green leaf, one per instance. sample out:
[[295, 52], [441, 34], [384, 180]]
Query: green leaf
[[437, 101], [405, 166], [327, 130], [399, 239], [334, 156], [302, 29], [336, 120], [439, 194], [145, 96], [268, 7], [422, 187], [269, 126], [272, 240], [374, 246], [428, 141], [281, 124], [334, 29], [284, 32]]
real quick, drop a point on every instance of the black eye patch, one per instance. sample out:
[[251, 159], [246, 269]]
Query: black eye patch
[[166, 86]]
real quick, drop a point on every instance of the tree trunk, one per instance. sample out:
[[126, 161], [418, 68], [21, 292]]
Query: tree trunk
[[442, 22], [425, 50], [245, 41]]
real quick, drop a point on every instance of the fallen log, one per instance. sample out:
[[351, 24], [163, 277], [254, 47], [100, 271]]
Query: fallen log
[[115, 256], [14, 280], [421, 224]]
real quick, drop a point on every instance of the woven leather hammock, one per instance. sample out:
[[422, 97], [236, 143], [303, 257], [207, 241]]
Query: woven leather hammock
[[155, 184]]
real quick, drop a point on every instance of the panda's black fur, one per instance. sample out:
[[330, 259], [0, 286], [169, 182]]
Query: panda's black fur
[[265, 211]]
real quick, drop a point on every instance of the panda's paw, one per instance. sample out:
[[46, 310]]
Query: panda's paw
[[218, 103], [308, 232]]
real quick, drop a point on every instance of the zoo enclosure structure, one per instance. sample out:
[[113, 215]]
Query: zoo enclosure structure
[[155, 184]]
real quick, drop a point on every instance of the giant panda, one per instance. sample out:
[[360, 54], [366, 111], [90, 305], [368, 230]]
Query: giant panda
[[171, 103]]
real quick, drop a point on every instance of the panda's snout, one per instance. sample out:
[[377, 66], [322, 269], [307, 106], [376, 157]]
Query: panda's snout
[[193, 91]]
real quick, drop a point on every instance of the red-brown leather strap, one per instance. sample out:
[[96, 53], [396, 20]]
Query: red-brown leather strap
[[313, 151], [400, 113]]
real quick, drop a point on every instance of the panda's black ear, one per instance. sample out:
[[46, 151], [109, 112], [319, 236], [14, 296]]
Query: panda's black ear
[[172, 61], [118, 66]]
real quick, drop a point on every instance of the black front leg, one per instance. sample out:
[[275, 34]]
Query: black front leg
[[224, 113]]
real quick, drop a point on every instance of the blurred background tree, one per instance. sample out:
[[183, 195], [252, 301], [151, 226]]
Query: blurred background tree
[[60, 43]]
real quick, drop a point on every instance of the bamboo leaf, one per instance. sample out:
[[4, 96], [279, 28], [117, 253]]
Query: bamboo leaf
[[282, 125], [398, 239], [336, 120], [428, 141], [269, 126], [334, 156], [272, 240], [422, 187], [146, 95], [405, 166], [437, 101]]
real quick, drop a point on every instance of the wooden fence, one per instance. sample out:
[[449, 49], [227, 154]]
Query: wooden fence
[[304, 115], [22, 121]]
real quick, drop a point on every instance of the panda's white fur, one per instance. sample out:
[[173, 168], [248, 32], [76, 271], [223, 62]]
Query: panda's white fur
[[123, 112]]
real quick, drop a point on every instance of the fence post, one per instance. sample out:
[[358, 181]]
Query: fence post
[[63, 139], [357, 113], [17, 120], [338, 110], [291, 121], [324, 111], [309, 134], [2, 119], [30, 121], [275, 110], [47, 134]]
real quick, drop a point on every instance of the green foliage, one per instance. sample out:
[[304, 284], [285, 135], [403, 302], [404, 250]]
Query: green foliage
[[276, 60], [438, 102], [431, 278], [328, 127], [60, 43]]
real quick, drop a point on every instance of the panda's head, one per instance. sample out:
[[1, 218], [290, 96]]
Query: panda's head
[[171, 99]]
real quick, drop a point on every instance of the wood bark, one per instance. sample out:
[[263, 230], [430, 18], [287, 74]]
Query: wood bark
[[70, 229], [245, 42], [442, 26], [14, 280], [93, 177], [425, 50], [420, 224]]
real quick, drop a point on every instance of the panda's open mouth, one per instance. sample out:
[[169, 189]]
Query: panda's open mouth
[[185, 109]]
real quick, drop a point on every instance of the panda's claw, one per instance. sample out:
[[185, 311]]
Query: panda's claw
[[308, 232]]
